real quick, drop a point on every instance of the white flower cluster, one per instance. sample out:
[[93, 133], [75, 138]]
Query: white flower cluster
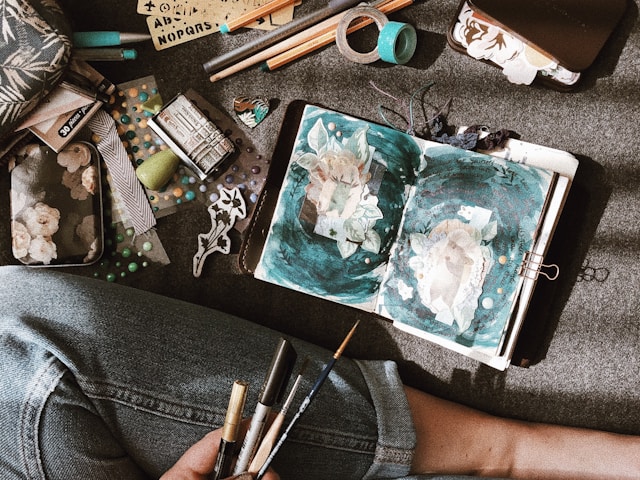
[[35, 221]]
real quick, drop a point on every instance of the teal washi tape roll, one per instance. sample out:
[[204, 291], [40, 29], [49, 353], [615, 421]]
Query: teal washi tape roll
[[397, 42]]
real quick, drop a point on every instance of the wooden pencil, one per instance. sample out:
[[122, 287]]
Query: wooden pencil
[[253, 15], [309, 34], [327, 38]]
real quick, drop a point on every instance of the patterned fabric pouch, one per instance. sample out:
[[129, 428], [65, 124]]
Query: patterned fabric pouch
[[56, 205], [35, 46]]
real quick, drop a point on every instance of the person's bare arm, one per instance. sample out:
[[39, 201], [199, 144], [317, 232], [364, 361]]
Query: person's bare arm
[[455, 439]]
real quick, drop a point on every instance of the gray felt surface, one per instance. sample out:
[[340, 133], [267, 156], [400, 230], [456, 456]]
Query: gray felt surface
[[584, 326]]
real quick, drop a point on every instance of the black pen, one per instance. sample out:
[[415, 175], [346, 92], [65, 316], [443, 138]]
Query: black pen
[[230, 429], [106, 54], [274, 36], [271, 392]]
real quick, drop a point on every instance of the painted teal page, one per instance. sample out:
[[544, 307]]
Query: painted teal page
[[339, 208], [454, 271]]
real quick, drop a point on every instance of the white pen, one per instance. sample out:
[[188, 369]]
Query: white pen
[[271, 436], [274, 382]]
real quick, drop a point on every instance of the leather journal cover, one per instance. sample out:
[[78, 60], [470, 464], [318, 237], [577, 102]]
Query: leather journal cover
[[551, 40]]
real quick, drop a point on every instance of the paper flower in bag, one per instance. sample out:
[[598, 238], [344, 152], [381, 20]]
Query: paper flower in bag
[[450, 264], [338, 176]]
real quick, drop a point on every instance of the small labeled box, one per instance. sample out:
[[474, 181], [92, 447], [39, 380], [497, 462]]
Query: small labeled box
[[192, 136]]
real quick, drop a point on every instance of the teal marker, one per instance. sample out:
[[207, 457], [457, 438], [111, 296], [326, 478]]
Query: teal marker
[[107, 38]]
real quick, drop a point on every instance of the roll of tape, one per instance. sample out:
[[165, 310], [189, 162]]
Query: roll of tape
[[397, 42], [341, 33]]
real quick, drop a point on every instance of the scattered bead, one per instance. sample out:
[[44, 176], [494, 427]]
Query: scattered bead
[[147, 246]]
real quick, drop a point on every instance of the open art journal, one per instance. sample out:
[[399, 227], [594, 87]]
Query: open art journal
[[444, 242]]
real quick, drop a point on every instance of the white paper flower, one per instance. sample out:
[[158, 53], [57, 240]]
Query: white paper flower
[[43, 250], [90, 179], [42, 220], [338, 177], [450, 265], [74, 156], [20, 240]]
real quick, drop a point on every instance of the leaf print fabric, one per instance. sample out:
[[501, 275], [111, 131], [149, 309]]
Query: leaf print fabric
[[35, 46]]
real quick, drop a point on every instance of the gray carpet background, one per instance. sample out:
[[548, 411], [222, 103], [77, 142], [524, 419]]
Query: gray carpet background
[[586, 324]]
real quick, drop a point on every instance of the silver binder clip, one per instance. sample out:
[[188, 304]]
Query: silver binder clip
[[532, 267]]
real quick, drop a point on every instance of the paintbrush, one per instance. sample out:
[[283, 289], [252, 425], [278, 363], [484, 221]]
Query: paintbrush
[[307, 400]]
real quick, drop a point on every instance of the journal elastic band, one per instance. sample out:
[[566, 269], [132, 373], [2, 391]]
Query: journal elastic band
[[396, 41]]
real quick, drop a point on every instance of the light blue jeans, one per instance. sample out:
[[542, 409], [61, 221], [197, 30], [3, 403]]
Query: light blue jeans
[[99, 380]]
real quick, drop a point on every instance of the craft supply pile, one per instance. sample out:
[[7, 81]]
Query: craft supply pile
[[98, 164]]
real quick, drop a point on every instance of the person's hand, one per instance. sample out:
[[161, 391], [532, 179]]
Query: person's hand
[[198, 462]]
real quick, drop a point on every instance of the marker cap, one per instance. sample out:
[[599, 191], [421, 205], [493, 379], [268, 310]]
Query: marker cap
[[235, 410], [129, 54], [279, 373]]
